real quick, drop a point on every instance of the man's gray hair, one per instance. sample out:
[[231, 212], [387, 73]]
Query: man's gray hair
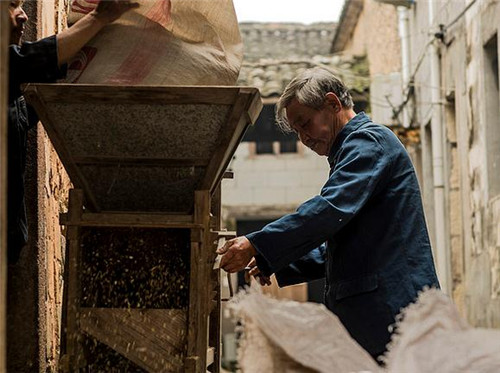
[[310, 88]]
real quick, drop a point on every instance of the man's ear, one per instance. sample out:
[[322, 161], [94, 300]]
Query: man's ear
[[332, 100]]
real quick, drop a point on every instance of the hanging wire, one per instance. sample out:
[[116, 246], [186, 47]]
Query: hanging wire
[[410, 89]]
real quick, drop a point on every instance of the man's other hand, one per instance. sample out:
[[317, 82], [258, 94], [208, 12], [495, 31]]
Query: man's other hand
[[252, 270], [237, 254]]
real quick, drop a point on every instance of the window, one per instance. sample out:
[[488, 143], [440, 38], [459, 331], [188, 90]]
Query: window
[[264, 147], [288, 146], [265, 133]]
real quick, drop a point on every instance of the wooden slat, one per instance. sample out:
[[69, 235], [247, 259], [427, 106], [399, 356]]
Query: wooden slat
[[4, 43], [210, 356], [131, 220], [123, 161], [153, 339], [227, 144], [104, 94], [245, 111], [214, 328], [73, 171], [254, 106], [198, 289], [73, 337]]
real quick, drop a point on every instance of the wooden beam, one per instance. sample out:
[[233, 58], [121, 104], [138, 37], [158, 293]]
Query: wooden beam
[[123, 161], [254, 106], [214, 327], [130, 220], [227, 143], [74, 350], [198, 290], [105, 94], [153, 339]]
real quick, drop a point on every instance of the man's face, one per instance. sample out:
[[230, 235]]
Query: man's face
[[317, 129], [17, 20]]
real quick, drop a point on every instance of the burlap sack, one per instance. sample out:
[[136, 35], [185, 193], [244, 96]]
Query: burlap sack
[[163, 42]]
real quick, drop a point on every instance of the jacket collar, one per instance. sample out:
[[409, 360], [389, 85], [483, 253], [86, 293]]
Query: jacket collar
[[351, 126]]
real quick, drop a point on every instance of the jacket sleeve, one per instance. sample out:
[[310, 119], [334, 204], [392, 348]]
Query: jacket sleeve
[[310, 267], [362, 165], [34, 63]]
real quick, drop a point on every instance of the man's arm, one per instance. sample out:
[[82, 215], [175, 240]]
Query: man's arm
[[308, 268], [43, 61], [362, 165], [71, 40]]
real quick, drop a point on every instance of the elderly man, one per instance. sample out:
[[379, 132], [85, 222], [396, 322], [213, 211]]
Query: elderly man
[[365, 231], [41, 62]]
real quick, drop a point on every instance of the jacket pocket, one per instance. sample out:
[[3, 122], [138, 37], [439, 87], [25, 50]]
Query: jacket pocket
[[356, 286]]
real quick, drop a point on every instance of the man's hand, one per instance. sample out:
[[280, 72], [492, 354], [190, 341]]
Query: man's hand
[[71, 40], [237, 254], [252, 270], [109, 11]]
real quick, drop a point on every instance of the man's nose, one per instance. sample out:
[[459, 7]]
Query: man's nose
[[21, 16]]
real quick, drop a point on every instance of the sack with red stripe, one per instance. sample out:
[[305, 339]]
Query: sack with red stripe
[[163, 42]]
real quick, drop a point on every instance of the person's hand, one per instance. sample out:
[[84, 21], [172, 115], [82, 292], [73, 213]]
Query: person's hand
[[108, 11], [237, 254], [252, 270]]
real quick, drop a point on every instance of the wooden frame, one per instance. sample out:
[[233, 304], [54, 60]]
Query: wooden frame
[[112, 326], [157, 333]]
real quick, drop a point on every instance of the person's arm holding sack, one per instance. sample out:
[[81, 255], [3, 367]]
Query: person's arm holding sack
[[70, 41]]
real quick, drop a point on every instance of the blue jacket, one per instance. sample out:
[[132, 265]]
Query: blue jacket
[[365, 232]]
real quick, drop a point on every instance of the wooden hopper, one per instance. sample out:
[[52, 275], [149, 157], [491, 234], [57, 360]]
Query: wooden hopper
[[146, 165]]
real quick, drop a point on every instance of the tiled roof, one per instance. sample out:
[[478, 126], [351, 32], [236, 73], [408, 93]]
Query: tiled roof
[[276, 53], [285, 40]]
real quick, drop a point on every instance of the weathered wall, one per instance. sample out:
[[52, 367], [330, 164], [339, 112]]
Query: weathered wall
[[376, 36], [268, 185], [472, 198], [35, 288]]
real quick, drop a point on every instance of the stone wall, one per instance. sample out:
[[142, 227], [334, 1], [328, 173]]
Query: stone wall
[[285, 40], [376, 36], [35, 288], [470, 124], [268, 185]]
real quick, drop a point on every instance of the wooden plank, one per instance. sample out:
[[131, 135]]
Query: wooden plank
[[210, 356], [154, 339], [123, 161], [227, 144], [215, 318], [131, 220], [74, 350], [64, 154], [4, 52], [254, 105], [105, 94], [245, 111], [198, 289]]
